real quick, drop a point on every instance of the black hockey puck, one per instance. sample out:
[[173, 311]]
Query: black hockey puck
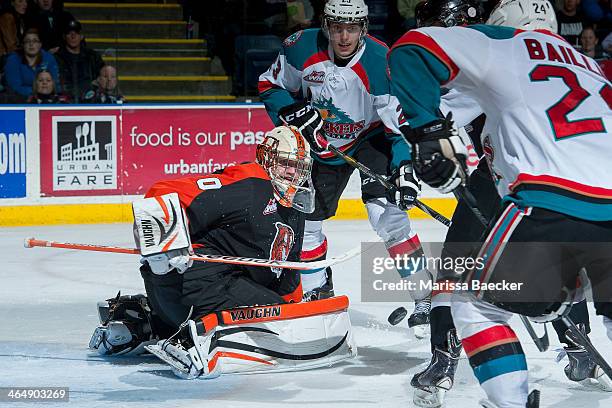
[[397, 316]]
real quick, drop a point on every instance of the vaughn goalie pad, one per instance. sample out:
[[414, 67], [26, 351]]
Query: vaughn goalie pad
[[160, 224], [287, 337]]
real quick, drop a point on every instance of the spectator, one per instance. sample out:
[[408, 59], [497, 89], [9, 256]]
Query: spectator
[[570, 18], [22, 64], [607, 44], [13, 24], [51, 20], [78, 65], [104, 88], [590, 44], [406, 10], [43, 89]]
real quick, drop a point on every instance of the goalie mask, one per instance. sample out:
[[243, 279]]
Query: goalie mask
[[448, 13], [285, 156], [524, 14]]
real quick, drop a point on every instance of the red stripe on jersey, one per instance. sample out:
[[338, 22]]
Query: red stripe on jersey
[[376, 40], [485, 339], [583, 189], [541, 31], [315, 253], [187, 188], [313, 59], [361, 73], [422, 40], [264, 86]]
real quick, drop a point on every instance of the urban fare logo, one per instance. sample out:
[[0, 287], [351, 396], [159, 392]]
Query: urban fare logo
[[255, 313], [84, 153]]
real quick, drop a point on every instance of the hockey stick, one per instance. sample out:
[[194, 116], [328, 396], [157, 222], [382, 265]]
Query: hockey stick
[[584, 341], [541, 343], [234, 260], [382, 180]]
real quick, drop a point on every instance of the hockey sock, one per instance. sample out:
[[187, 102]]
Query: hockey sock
[[314, 278], [499, 364], [409, 256]]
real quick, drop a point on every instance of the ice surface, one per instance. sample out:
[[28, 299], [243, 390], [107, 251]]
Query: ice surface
[[48, 312]]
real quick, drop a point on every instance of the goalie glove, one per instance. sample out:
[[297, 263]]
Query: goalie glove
[[307, 119], [162, 234], [407, 187], [438, 154]]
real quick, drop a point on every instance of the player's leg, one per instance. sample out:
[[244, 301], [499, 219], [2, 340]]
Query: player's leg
[[462, 238], [393, 226], [329, 183], [517, 252]]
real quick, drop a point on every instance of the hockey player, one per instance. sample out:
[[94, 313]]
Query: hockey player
[[339, 71], [465, 231], [529, 145], [243, 210]]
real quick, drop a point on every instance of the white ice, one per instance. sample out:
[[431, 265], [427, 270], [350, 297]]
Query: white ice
[[48, 313]]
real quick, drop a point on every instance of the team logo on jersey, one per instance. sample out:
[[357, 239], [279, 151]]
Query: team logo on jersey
[[337, 123], [282, 244], [292, 39], [315, 76], [270, 207]]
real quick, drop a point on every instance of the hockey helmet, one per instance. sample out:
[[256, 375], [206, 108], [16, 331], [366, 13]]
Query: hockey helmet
[[524, 14], [448, 13], [285, 156], [347, 12]]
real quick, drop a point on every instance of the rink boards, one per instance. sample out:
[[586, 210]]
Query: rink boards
[[85, 163]]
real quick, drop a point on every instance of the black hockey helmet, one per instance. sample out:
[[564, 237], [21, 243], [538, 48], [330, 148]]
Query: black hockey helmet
[[448, 13]]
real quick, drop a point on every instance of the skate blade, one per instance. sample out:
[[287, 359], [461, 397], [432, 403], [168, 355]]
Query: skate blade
[[183, 370], [602, 382], [428, 397]]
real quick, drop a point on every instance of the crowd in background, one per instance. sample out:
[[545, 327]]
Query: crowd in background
[[44, 57]]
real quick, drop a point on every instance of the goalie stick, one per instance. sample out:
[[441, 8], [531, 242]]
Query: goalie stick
[[234, 260]]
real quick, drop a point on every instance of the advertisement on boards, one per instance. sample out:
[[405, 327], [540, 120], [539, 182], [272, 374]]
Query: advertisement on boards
[[79, 152], [172, 143], [112, 152], [12, 154]]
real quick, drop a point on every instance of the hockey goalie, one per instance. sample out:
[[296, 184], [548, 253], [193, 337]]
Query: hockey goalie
[[205, 319]]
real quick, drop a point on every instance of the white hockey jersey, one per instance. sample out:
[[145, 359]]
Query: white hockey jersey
[[548, 108], [354, 100]]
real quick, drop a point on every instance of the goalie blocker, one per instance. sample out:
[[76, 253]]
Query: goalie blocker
[[283, 337]]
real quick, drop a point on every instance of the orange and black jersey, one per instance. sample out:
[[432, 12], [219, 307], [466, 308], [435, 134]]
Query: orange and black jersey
[[233, 212]]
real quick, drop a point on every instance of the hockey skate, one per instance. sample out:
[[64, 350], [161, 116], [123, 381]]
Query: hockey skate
[[186, 354], [323, 292], [419, 319], [533, 401], [432, 383], [582, 368]]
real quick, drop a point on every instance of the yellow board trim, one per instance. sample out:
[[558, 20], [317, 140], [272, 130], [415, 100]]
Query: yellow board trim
[[120, 5], [156, 22], [56, 214], [173, 78]]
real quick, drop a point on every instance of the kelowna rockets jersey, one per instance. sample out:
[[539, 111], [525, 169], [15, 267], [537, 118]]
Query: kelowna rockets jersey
[[548, 108], [354, 100]]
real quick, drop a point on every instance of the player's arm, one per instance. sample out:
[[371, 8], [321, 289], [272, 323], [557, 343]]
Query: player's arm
[[418, 67], [278, 85]]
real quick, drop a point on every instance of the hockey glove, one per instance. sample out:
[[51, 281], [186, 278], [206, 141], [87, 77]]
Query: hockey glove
[[307, 120], [438, 154], [407, 187], [163, 263]]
